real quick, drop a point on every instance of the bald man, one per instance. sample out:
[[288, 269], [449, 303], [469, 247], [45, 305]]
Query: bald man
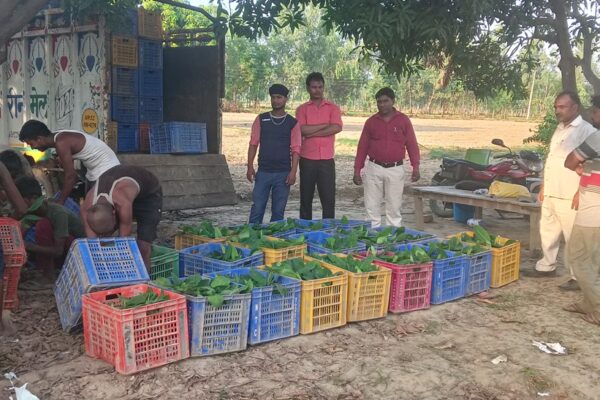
[[121, 194]]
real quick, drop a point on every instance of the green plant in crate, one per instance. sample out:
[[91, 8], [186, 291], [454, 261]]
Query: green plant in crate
[[414, 255], [484, 238], [299, 269], [142, 299], [455, 245], [341, 242], [227, 253], [349, 263], [256, 240], [207, 229], [255, 279]]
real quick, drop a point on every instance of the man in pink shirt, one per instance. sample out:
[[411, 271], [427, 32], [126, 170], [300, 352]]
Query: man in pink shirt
[[385, 139], [276, 136], [320, 120]]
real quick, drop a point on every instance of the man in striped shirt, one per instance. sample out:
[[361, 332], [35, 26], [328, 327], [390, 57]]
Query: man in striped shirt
[[583, 250]]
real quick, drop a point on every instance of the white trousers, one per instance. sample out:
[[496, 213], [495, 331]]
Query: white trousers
[[383, 184], [556, 221]]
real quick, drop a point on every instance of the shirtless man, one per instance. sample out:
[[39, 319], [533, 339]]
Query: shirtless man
[[94, 154], [121, 194]]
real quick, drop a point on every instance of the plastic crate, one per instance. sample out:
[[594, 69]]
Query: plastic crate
[[368, 292], [273, 256], [130, 28], [125, 81], [178, 138], [151, 109], [151, 83], [127, 138], [124, 51], [195, 260], [149, 24], [408, 231], [506, 261], [139, 338], [185, 240], [70, 204], [351, 223], [144, 137], [303, 225], [272, 315], [111, 134], [164, 262], [125, 109], [316, 243], [410, 287], [151, 54], [92, 265], [11, 277], [13, 246]]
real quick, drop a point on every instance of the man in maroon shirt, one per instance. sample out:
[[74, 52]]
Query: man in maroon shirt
[[386, 137]]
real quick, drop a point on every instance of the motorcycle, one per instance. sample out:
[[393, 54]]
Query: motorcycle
[[522, 168]]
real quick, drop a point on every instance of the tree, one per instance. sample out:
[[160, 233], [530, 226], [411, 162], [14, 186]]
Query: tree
[[14, 15]]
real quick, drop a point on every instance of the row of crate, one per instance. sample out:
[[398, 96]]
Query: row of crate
[[14, 256]]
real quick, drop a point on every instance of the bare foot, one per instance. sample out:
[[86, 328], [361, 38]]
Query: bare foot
[[7, 327]]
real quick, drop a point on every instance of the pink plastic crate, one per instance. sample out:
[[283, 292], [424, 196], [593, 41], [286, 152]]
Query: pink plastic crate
[[410, 288]]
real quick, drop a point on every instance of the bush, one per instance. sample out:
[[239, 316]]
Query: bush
[[543, 134]]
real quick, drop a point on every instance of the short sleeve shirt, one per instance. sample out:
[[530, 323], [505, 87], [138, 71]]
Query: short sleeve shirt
[[588, 214], [64, 222], [318, 147]]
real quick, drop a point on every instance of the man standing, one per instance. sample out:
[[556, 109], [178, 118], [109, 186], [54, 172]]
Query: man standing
[[121, 194], [320, 120], [385, 139], [279, 138], [560, 184], [583, 250], [70, 145]]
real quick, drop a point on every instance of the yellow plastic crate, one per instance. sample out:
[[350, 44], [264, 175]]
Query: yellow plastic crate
[[506, 261], [185, 240], [149, 24], [273, 256], [368, 293], [124, 51], [323, 301]]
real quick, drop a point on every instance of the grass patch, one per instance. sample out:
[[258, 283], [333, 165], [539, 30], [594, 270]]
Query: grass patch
[[347, 142], [535, 380]]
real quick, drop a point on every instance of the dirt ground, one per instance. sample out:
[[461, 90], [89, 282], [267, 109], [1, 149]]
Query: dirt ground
[[441, 353]]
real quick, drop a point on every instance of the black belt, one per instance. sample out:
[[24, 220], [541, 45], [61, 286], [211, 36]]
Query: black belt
[[387, 164]]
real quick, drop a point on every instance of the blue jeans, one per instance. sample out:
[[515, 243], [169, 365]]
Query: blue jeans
[[264, 184]]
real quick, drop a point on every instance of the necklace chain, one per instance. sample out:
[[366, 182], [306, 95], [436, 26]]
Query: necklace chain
[[273, 118]]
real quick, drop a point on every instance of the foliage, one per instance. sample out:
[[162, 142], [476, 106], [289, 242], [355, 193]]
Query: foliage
[[543, 133], [299, 269], [142, 299], [116, 12], [214, 289]]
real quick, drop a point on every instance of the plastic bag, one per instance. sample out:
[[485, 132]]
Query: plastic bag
[[508, 190]]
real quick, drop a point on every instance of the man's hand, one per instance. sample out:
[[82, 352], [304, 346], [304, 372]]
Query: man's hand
[[416, 175], [291, 178], [579, 170], [540, 196], [250, 173], [357, 179], [575, 202]]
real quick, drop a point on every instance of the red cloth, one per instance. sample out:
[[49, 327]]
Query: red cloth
[[319, 147], [387, 142], [44, 236]]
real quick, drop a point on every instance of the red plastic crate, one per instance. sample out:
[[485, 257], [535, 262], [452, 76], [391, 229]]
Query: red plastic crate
[[139, 338], [410, 288], [12, 274], [144, 131], [13, 244]]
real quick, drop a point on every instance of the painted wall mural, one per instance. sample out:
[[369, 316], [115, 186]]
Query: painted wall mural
[[57, 79]]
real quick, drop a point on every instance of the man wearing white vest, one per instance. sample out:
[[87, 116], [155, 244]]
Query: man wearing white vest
[[560, 185]]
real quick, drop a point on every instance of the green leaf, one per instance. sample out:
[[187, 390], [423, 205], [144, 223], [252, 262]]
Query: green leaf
[[215, 300]]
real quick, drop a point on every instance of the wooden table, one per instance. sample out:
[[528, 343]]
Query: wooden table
[[452, 195]]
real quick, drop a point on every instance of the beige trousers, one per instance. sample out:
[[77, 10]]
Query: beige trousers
[[383, 184], [556, 221], [583, 252]]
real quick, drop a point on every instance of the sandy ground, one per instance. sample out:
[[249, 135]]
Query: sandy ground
[[441, 353]]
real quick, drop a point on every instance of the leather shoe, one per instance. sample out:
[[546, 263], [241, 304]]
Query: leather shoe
[[534, 273], [571, 284]]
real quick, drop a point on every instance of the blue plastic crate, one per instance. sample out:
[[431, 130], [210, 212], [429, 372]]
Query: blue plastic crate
[[349, 224], [305, 224], [125, 109], [92, 265], [479, 272], [272, 315], [128, 138], [195, 260], [151, 82], [151, 54], [151, 110], [69, 204], [130, 27], [178, 138], [406, 230], [316, 243], [125, 81], [281, 235]]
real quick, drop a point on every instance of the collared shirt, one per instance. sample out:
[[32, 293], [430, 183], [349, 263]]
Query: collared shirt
[[588, 213], [387, 141], [561, 182], [296, 138], [319, 147]]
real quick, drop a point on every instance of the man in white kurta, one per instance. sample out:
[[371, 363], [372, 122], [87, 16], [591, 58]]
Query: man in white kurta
[[560, 185]]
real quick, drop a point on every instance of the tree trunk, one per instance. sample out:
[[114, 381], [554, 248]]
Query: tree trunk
[[568, 62], [14, 14]]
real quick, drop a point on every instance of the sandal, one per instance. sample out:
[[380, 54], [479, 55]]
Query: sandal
[[574, 308], [592, 318]]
